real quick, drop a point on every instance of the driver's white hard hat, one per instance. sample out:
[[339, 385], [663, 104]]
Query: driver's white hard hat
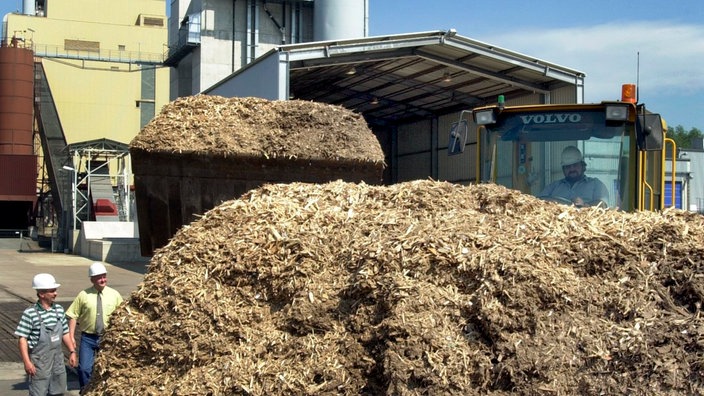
[[44, 282], [97, 268], [571, 155]]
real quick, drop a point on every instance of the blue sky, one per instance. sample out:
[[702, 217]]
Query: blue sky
[[600, 38]]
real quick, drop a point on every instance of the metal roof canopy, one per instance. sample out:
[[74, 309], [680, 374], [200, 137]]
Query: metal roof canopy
[[405, 77]]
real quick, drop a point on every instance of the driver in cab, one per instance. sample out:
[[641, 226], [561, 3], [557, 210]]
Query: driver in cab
[[576, 187]]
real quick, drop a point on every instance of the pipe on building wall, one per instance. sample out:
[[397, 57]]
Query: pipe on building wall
[[234, 24], [295, 23], [366, 18], [252, 40], [283, 23], [248, 22]]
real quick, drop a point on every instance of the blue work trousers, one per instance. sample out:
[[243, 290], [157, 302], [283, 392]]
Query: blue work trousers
[[86, 357]]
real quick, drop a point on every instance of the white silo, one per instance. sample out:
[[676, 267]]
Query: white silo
[[340, 19], [29, 7]]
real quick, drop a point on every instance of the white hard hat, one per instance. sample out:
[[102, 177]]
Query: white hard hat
[[97, 268], [44, 282], [571, 155]]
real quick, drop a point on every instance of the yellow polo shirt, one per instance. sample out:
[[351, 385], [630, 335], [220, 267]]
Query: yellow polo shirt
[[84, 307]]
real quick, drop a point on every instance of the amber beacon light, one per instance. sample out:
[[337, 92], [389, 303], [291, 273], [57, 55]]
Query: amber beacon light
[[628, 93]]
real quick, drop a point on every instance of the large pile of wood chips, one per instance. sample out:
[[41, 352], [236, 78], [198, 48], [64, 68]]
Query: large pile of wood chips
[[420, 288], [254, 127]]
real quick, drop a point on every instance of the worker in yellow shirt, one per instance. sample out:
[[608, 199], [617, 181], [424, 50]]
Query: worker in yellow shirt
[[91, 310]]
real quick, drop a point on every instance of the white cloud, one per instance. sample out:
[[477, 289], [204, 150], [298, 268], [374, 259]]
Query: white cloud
[[671, 55]]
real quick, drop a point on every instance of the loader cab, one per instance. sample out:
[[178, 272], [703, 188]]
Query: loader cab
[[622, 146]]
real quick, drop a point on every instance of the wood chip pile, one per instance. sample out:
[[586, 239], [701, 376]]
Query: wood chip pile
[[217, 126], [420, 288]]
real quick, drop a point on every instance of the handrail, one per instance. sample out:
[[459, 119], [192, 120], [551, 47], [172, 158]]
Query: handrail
[[100, 55], [478, 169], [673, 162], [644, 183]]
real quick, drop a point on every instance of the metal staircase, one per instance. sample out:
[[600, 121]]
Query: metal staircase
[[101, 192], [53, 143]]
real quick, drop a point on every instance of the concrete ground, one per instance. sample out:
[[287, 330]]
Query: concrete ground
[[20, 260]]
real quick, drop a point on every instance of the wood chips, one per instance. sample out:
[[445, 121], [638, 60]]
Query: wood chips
[[254, 127], [416, 288]]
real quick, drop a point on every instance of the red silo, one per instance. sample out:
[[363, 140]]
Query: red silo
[[16, 101], [18, 162]]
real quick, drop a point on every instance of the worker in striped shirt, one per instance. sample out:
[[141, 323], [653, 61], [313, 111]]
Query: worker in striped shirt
[[41, 329]]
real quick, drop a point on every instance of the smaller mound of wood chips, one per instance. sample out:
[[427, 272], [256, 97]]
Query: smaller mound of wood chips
[[416, 288], [254, 127]]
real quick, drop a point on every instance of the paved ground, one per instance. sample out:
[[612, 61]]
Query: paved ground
[[20, 260]]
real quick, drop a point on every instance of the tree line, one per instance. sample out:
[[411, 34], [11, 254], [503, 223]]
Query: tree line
[[682, 137]]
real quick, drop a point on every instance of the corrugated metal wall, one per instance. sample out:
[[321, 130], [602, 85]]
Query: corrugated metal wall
[[526, 100], [19, 178], [422, 152], [557, 96], [566, 95], [414, 151], [460, 168], [696, 188]]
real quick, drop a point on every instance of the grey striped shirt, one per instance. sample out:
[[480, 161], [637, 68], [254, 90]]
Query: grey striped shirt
[[32, 317]]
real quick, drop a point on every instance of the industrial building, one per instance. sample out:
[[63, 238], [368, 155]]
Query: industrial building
[[94, 88], [80, 78]]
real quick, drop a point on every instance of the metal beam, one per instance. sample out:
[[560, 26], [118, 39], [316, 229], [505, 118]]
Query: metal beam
[[483, 73], [362, 49], [547, 69], [351, 59]]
